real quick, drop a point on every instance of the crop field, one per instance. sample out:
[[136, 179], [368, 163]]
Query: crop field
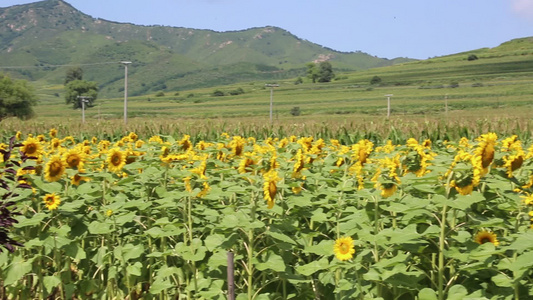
[[200, 195], [274, 218], [419, 88]]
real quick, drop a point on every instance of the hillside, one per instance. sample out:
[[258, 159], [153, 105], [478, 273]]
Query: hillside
[[45, 34]]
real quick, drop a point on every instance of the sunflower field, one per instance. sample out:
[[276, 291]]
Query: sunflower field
[[278, 218]]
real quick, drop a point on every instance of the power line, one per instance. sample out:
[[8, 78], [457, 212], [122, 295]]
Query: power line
[[55, 66]]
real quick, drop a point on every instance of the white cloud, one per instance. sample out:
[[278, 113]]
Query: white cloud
[[523, 8]]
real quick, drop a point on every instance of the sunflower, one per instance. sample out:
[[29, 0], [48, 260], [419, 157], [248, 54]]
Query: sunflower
[[237, 145], [53, 133], [245, 165], [485, 236], [54, 169], [133, 136], [485, 149], [299, 164], [116, 159], [51, 201], [77, 178], [464, 185], [55, 143], [343, 248], [361, 151], [31, 147], [270, 187], [185, 142], [74, 158], [388, 189], [187, 182]]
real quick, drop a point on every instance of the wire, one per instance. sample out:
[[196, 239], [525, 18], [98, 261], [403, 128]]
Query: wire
[[55, 66]]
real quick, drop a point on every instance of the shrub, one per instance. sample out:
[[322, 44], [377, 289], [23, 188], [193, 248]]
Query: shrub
[[472, 57], [375, 80], [236, 92], [295, 111], [160, 94], [218, 93]]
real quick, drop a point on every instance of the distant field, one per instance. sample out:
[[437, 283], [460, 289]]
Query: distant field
[[495, 90]]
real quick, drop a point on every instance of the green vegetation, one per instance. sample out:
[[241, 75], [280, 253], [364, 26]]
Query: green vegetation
[[16, 98], [163, 58], [80, 88]]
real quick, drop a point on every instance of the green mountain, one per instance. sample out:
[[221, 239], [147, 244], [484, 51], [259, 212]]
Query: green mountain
[[44, 38]]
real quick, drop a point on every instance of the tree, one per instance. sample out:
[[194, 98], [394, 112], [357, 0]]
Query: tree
[[16, 98], [77, 88], [74, 73], [325, 72], [312, 71]]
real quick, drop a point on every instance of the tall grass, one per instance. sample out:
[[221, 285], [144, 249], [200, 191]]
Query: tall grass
[[347, 130]]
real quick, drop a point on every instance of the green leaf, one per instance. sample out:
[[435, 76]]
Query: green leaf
[[139, 205], [502, 280], [427, 294], [75, 251], [132, 251], [160, 285], [325, 247], [125, 218], [213, 241], [457, 292], [17, 270], [272, 262], [523, 242], [48, 187], [465, 201], [33, 221], [134, 269], [51, 282], [281, 237], [312, 267], [99, 228]]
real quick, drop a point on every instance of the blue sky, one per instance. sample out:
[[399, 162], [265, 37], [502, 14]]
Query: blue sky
[[384, 28]]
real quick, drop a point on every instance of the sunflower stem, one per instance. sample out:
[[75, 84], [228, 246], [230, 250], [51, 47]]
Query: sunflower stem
[[250, 251], [441, 253]]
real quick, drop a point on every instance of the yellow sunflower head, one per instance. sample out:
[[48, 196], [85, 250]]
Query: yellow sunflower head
[[270, 187], [185, 142], [237, 145], [245, 165], [133, 136], [388, 189], [53, 133], [54, 169], [116, 159], [74, 158], [32, 147], [77, 179], [485, 148], [51, 201], [485, 236], [344, 248]]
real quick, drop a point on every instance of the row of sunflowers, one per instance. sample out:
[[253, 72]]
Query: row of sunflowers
[[304, 218]]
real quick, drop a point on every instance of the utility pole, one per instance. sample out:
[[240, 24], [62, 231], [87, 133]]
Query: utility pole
[[388, 104], [83, 100], [125, 63], [271, 86]]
